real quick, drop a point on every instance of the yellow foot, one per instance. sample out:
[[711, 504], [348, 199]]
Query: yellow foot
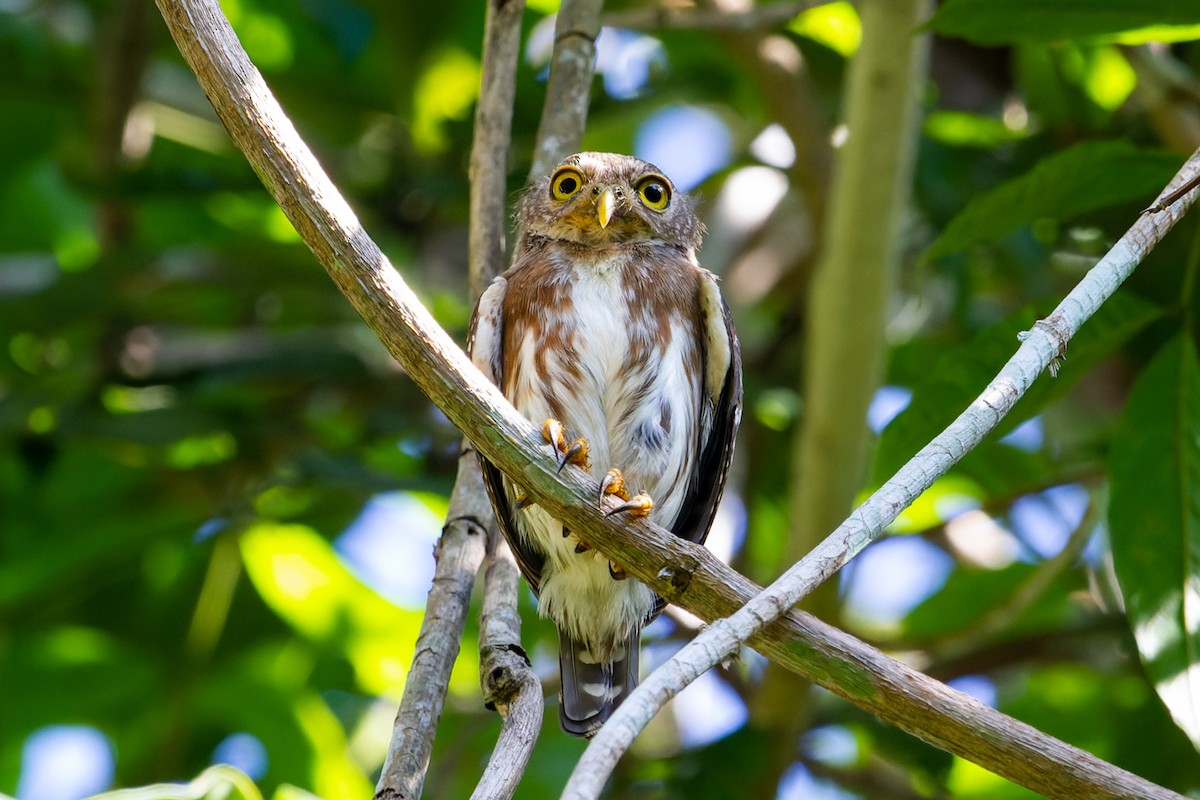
[[613, 490], [574, 453]]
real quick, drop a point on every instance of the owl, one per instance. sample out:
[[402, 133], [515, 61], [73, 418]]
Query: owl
[[608, 333]]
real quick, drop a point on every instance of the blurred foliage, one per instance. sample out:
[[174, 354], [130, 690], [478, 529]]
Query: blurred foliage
[[192, 418]]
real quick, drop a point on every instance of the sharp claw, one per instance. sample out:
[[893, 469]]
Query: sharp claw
[[566, 532], [639, 506], [582, 547], [522, 501], [552, 432], [613, 484], [577, 453], [616, 571]]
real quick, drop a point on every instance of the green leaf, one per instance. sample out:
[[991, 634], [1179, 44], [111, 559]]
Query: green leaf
[[971, 592], [301, 578], [220, 782], [990, 22], [1154, 517], [1081, 179], [962, 372]]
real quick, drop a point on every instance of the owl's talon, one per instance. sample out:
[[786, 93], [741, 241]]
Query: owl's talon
[[575, 453], [639, 506], [582, 546], [522, 501], [616, 571], [613, 485]]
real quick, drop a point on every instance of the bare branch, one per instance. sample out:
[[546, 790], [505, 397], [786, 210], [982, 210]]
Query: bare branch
[[493, 133], [685, 573], [510, 685], [459, 553], [564, 114]]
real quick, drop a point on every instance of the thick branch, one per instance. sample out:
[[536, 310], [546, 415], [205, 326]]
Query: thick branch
[[687, 574], [469, 518], [565, 111], [493, 133]]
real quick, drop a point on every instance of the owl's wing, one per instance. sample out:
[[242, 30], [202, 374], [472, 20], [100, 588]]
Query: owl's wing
[[721, 415], [485, 345]]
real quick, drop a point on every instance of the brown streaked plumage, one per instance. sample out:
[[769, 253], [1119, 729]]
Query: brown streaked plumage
[[606, 323]]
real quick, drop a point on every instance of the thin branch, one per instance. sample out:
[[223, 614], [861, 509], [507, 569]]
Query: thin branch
[[1041, 348], [685, 573], [758, 18], [469, 518], [510, 685], [564, 114], [460, 551]]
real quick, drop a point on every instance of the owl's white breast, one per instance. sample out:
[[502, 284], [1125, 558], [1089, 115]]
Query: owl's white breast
[[612, 377]]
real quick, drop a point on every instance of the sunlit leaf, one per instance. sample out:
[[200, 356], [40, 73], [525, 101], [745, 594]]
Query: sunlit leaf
[[990, 22], [1087, 177], [835, 25], [446, 91], [300, 576], [219, 782], [1154, 515], [963, 129]]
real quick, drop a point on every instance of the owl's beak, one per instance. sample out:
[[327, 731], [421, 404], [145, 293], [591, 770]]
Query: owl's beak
[[606, 204]]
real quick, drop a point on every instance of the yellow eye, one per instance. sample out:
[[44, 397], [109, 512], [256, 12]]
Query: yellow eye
[[564, 183], [655, 192]]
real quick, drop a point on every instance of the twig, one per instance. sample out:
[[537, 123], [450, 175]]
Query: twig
[[684, 573], [459, 553], [469, 518], [571, 66], [760, 17], [1041, 347], [510, 685]]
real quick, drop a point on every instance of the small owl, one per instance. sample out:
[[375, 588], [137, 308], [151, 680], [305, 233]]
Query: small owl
[[608, 333]]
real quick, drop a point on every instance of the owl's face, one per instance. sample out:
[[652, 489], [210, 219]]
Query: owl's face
[[606, 200]]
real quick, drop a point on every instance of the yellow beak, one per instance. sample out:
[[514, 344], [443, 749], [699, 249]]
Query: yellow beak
[[605, 206]]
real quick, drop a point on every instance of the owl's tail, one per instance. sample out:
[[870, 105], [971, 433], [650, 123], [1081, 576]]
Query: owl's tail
[[592, 689]]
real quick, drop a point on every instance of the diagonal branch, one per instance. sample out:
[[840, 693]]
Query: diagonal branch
[[1041, 349], [685, 573]]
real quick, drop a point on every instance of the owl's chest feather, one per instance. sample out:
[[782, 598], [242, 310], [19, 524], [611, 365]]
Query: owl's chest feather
[[609, 348]]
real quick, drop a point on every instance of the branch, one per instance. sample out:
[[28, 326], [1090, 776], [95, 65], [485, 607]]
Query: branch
[[459, 553], [489, 149], [510, 685], [564, 113], [469, 517], [683, 572], [1041, 348]]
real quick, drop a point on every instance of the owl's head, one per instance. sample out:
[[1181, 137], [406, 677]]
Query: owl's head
[[605, 200]]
